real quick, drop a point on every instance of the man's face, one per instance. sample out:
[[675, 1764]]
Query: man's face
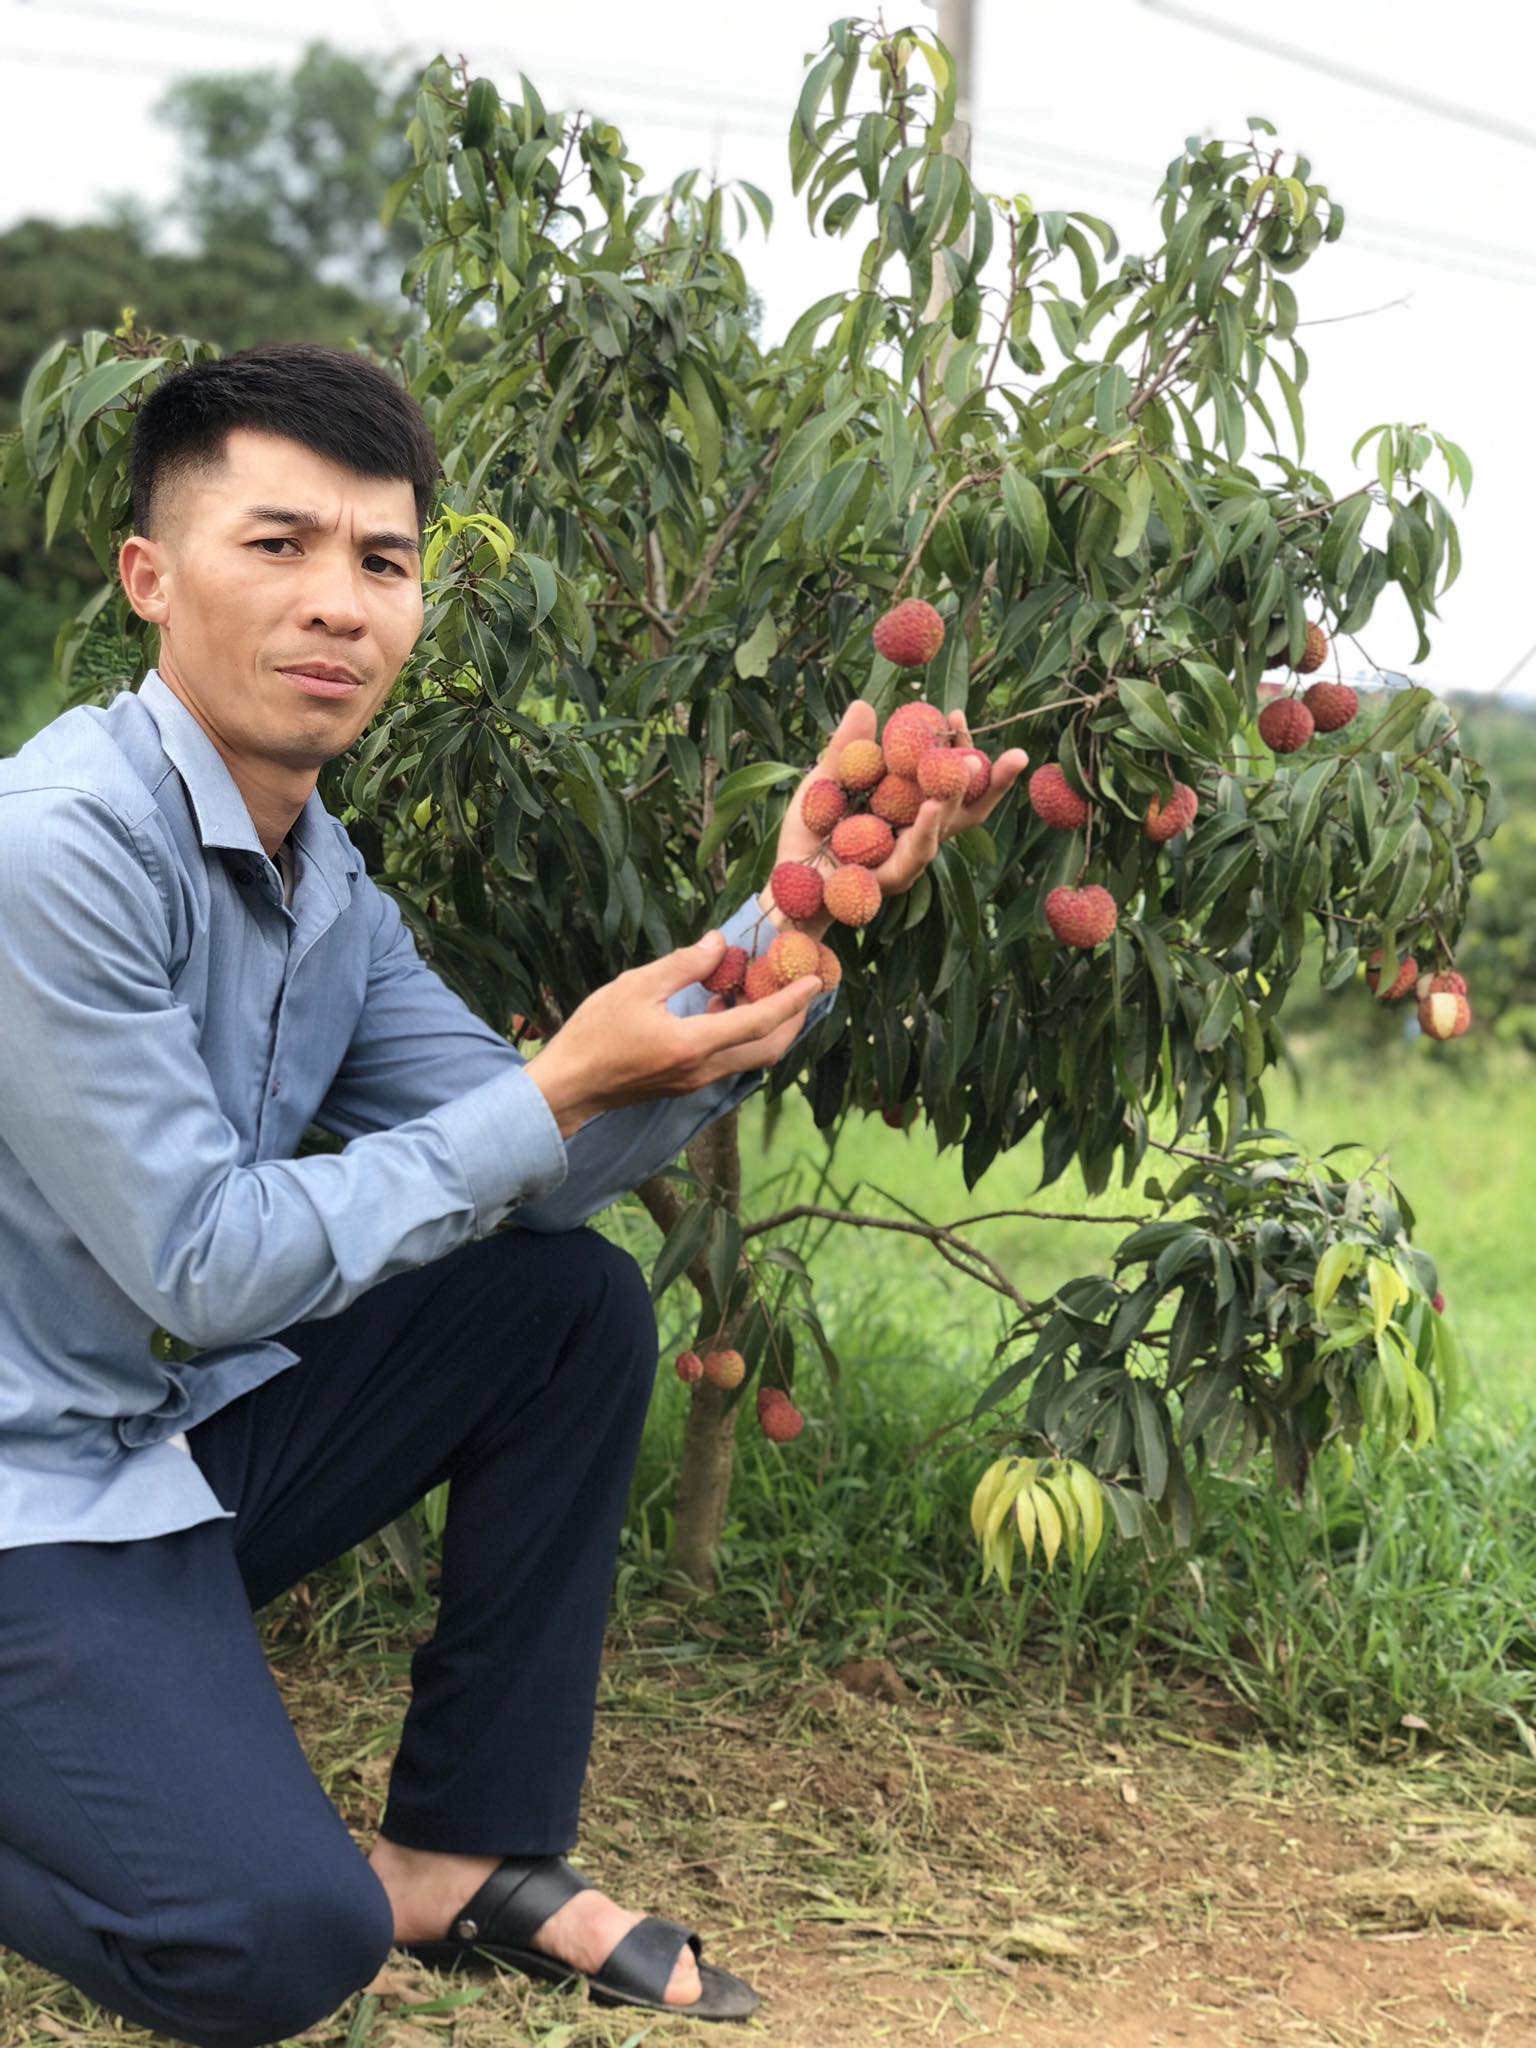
[[244, 597]]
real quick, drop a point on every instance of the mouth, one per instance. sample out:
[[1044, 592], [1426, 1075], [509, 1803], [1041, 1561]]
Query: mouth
[[323, 680]]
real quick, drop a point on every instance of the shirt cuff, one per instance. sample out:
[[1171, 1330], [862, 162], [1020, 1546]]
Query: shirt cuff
[[507, 1141]]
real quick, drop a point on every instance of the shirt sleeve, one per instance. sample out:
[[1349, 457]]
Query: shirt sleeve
[[417, 1044], [108, 1106]]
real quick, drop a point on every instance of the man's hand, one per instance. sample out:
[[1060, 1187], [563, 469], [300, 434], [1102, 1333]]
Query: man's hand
[[622, 1044], [915, 848]]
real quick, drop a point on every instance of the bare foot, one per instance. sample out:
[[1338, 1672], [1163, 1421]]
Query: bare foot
[[428, 1890]]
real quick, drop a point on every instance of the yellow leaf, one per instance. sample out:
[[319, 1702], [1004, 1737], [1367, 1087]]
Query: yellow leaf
[[1089, 1495], [1049, 1517], [1024, 1515], [1058, 1486]]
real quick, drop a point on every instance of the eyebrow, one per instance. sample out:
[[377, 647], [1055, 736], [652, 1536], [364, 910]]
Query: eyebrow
[[311, 522]]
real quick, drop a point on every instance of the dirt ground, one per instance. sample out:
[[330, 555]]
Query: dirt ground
[[888, 1872]]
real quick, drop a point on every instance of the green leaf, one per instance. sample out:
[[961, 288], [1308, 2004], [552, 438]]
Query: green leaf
[[757, 650], [1133, 521], [1147, 708], [684, 1240], [705, 423], [97, 388], [1025, 507]]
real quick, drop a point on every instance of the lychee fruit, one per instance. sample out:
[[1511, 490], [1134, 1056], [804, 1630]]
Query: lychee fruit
[[860, 765], [690, 1367], [1332, 705], [781, 1421], [1437, 1302], [1165, 821], [791, 955], [981, 772], [1315, 652], [863, 840], [1053, 798], [1445, 1015], [941, 772], [897, 799], [1285, 725], [767, 1397], [828, 966], [1448, 983], [910, 634], [909, 731], [761, 979], [1407, 976], [852, 895], [1081, 917], [894, 1116], [822, 805], [728, 972], [724, 1368], [796, 888]]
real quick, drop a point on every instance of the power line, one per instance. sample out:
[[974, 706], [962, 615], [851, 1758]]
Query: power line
[[1427, 103], [154, 17]]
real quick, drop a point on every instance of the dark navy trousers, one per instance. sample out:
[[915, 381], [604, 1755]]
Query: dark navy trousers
[[164, 1844]]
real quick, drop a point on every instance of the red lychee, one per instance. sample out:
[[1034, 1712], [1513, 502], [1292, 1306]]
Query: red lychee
[[792, 955], [1437, 1302], [1332, 705], [1165, 821], [943, 773], [860, 765], [768, 1396], [863, 840], [897, 799], [822, 805], [908, 731], [724, 1368], [728, 973], [1445, 1015], [1081, 917], [1285, 725], [796, 888], [781, 1421], [852, 895], [1447, 983], [1315, 653], [1053, 798], [981, 772], [690, 1367], [910, 634], [1407, 975]]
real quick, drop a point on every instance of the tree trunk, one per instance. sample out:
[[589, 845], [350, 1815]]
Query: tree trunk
[[704, 1481]]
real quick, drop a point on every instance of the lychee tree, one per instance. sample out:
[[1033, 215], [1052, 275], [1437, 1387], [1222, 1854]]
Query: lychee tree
[[651, 589]]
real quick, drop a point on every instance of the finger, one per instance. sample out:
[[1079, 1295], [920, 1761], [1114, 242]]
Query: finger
[[1006, 770], [677, 969], [916, 847], [858, 722], [750, 1022]]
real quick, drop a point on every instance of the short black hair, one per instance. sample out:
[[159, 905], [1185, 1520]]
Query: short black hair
[[340, 405]]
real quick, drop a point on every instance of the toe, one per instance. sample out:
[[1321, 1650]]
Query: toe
[[684, 1987]]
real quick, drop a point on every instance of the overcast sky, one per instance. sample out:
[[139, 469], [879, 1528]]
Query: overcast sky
[[1080, 103]]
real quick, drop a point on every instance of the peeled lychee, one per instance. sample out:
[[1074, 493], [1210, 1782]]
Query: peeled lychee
[[724, 1368], [792, 955], [760, 980], [864, 840], [796, 888], [1315, 652], [1165, 821], [828, 966], [941, 772], [781, 1421], [1285, 725], [1444, 1015], [1081, 917], [910, 634], [981, 772], [1332, 705], [897, 799], [852, 895], [1053, 798], [860, 765], [822, 805], [1407, 975], [728, 973], [908, 731], [690, 1367]]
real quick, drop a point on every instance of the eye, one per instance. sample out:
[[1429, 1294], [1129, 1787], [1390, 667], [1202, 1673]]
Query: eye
[[286, 540]]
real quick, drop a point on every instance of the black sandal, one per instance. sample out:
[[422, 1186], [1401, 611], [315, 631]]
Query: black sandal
[[498, 1923]]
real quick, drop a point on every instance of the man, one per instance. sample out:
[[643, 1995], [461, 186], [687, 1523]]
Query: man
[[194, 967]]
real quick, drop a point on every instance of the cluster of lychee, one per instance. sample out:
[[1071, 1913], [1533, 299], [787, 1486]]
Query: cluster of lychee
[[1286, 725], [872, 793], [778, 1417], [1086, 916], [1444, 1008]]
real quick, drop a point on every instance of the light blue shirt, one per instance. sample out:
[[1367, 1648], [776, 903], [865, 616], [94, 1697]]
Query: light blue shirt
[[169, 1027]]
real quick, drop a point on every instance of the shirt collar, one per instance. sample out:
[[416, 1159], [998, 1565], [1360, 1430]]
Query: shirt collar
[[217, 805]]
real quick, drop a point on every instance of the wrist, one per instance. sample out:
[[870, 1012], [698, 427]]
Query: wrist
[[559, 1091]]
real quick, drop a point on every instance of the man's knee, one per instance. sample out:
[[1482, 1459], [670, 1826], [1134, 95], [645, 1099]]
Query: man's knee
[[600, 1279], [270, 1963]]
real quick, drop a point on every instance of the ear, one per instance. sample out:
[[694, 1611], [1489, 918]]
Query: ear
[[143, 572]]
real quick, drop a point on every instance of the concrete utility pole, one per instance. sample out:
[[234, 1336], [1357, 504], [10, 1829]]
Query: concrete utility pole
[[957, 32]]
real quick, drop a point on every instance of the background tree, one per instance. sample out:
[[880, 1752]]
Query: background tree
[[649, 595]]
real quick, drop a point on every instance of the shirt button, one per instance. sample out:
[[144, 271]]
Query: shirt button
[[277, 1087]]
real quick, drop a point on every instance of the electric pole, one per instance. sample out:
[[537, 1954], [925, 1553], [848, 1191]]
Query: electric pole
[[957, 32]]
